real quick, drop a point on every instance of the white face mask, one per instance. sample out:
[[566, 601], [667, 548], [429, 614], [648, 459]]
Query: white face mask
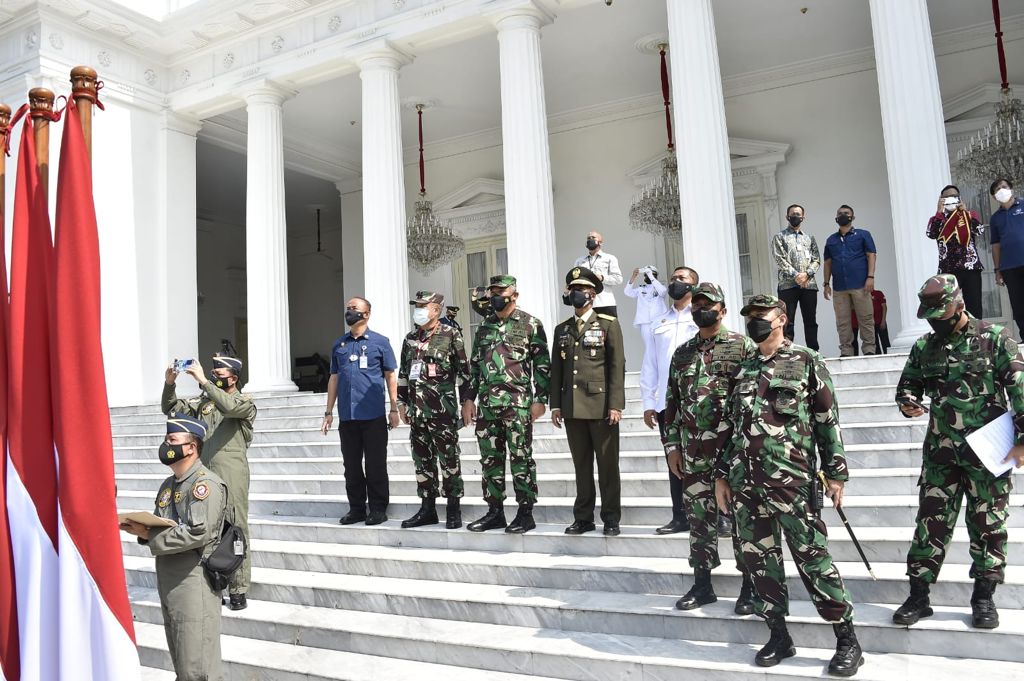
[[420, 316], [1004, 195], [951, 202]]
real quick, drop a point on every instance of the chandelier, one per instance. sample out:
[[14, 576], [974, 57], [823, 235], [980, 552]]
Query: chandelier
[[656, 208], [997, 151], [431, 242]]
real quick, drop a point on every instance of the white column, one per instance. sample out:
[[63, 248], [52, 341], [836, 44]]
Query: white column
[[702, 149], [385, 255], [529, 205], [266, 255], [916, 156], [178, 285]]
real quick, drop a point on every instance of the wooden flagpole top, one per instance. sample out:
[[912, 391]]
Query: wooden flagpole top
[[41, 99], [84, 88]]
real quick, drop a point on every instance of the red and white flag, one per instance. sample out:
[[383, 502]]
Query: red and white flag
[[32, 464], [97, 638]]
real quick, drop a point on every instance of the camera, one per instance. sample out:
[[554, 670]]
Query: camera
[[181, 365]]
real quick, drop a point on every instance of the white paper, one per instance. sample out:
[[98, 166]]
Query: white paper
[[993, 442]]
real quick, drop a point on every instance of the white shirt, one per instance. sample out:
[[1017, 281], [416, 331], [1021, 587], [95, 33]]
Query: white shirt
[[650, 301], [673, 330], [607, 265]]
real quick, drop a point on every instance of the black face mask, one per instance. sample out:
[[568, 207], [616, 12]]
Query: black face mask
[[220, 381], [759, 329], [678, 289], [499, 303], [353, 317], [942, 328], [171, 453], [843, 220], [578, 299], [705, 318], [591, 244], [794, 220]]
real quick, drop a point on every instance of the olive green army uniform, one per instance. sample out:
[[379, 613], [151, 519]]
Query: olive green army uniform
[[229, 419], [198, 502]]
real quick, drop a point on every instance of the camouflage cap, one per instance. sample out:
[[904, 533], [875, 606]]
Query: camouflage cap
[[712, 292], [426, 297], [763, 301], [502, 280], [936, 295], [584, 277]]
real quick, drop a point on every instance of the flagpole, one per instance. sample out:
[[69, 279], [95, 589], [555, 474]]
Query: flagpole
[[40, 102], [83, 89]]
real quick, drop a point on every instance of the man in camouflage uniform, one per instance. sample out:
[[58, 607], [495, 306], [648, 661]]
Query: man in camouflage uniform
[[781, 413], [197, 501], [433, 363], [967, 367], [694, 401], [510, 375], [229, 415]]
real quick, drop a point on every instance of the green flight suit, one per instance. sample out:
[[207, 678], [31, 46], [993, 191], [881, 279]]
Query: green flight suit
[[588, 378], [229, 418], [198, 502]]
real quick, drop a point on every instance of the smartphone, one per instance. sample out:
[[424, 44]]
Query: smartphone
[[181, 365], [913, 404]]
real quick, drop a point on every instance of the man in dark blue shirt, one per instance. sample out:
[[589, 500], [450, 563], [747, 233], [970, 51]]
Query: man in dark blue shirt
[[1007, 225], [362, 366], [850, 259]]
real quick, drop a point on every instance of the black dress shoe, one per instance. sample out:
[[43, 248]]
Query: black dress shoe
[[353, 517], [611, 530], [238, 602], [580, 526], [674, 526], [376, 517]]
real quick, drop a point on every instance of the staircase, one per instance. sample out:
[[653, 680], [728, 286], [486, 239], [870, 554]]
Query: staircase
[[382, 603]]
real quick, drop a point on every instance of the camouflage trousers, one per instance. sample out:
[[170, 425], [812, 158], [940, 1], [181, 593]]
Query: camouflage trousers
[[762, 516], [496, 431], [701, 506], [942, 489], [436, 440]]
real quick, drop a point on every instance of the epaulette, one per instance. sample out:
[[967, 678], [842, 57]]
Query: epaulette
[[606, 317]]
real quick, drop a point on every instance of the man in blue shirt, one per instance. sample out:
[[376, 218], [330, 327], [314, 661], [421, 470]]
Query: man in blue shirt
[[362, 364], [850, 259], [1007, 226]]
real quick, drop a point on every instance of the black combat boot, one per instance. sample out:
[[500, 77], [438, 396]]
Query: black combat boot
[[917, 604], [701, 593], [427, 515], [238, 602], [779, 646], [494, 518], [523, 522], [745, 601], [983, 609], [849, 656], [453, 514]]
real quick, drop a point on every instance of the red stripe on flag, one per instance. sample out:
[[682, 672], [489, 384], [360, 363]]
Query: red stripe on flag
[[82, 415], [30, 416]]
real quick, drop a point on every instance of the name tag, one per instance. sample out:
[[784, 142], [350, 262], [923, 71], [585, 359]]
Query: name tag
[[415, 370], [364, 362]]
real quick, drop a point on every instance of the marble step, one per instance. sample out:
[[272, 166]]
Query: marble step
[[153, 674], [582, 655], [881, 544], [862, 510], [260, 660], [608, 574], [877, 481], [577, 605]]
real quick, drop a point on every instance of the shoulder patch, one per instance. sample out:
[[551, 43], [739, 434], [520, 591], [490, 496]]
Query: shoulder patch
[[165, 498], [208, 408], [201, 490]]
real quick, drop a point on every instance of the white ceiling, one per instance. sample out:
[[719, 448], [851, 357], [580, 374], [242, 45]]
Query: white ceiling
[[590, 58]]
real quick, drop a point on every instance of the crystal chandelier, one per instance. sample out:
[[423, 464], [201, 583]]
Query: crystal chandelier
[[431, 243], [656, 208], [997, 151]]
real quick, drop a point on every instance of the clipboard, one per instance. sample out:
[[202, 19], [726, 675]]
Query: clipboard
[[146, 518]]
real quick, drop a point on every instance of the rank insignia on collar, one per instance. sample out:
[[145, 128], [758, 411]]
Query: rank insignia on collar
[[201, 490], [165, 498]]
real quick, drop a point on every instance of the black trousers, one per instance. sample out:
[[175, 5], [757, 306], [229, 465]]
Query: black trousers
[[970, 287], [675, 485], [808, 300], [365, 441], [590, 439], [882, 343], [610, 310], [1014, 279]]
